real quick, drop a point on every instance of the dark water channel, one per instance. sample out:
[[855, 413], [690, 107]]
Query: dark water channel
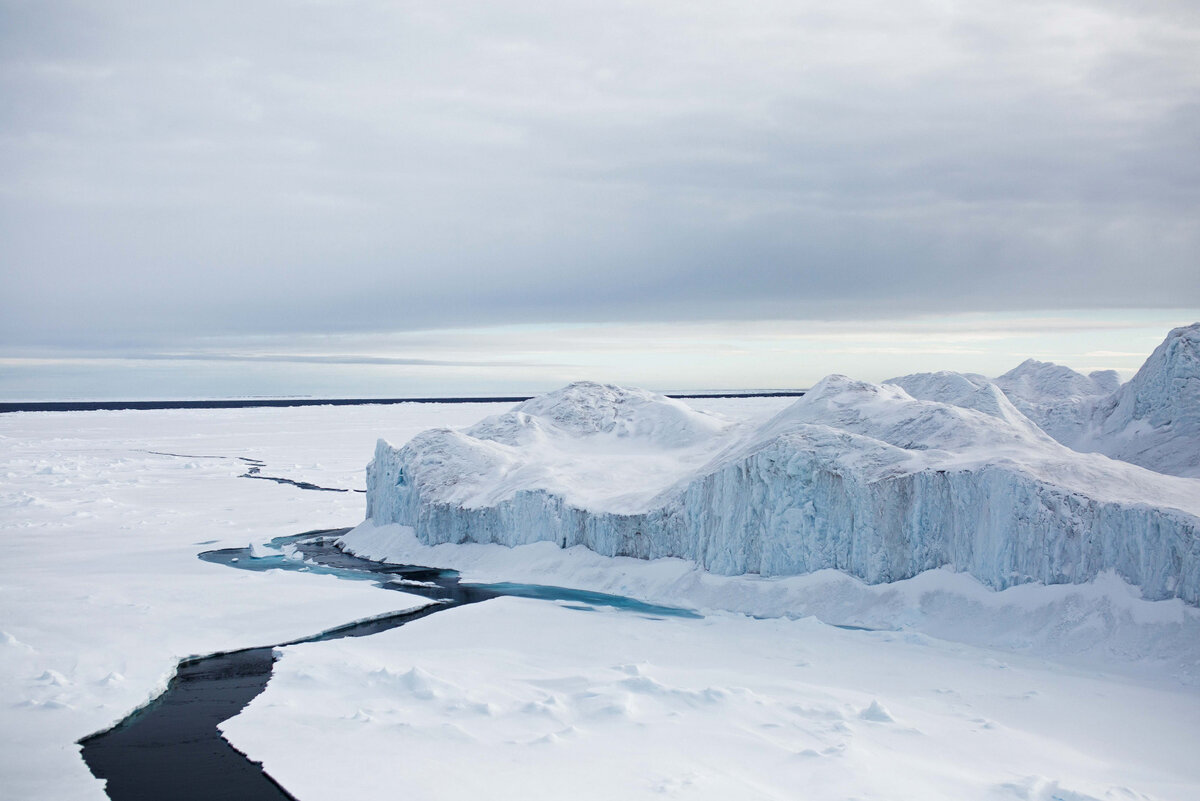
[[171, 748]]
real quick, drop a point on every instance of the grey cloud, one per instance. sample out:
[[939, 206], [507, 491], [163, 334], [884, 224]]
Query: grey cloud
[[283, 358], [180, 170]]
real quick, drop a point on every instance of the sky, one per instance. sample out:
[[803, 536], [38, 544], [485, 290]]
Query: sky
[[417, 198]]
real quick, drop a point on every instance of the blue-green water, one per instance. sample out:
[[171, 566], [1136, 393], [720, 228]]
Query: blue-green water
[[320, 555]]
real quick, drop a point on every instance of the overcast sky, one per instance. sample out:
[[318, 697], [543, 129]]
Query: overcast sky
[[333, 185]]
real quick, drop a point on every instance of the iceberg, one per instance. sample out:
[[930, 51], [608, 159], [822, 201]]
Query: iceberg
[[881, 481], [1152, 421]]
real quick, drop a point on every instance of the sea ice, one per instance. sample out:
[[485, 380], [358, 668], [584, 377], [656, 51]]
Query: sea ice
[[101, 592], [519, 698]]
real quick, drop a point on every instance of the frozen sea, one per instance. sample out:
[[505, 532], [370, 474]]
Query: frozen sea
[[817, 687]]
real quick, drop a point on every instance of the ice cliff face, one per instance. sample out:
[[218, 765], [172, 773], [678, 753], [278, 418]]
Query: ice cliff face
[[875, 480], [1154, 420]]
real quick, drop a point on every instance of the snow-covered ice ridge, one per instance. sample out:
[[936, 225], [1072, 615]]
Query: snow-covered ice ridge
[[1152, 421], [879, 481]]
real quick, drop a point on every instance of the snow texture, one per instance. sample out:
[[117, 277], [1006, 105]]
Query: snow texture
[[859, 477], [1058, 399], [1034, 382], [1152, 421], [1104, 622], [101, 592], [516, 698]]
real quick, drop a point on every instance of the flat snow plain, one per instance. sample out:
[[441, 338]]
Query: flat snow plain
[[1072, 693]]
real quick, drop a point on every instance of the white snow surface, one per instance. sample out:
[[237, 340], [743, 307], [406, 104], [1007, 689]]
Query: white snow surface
[[1102, 622], [526, 699], [863, 478], [970, 391], [1059, 400], [1034, 382], [101, 592], [595, 446]]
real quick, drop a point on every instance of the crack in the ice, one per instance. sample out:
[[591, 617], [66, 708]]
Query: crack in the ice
[[256, 466], [179, 752], [301, 484]]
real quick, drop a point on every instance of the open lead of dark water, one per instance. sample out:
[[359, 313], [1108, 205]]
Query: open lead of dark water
[[172, 749]]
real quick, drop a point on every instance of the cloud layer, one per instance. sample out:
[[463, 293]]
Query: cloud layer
[[180, 170]]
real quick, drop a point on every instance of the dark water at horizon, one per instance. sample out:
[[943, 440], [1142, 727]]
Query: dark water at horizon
[[252, 403]]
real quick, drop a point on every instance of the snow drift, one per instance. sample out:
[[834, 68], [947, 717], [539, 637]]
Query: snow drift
[[863, 478]]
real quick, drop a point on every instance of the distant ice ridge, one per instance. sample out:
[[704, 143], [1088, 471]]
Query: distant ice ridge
[[880, 481], [1152, 421], [1060, 400]]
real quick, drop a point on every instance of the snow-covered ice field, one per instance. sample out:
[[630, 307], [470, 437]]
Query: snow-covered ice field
[[100, 588], [521, 699], [1066, 692]]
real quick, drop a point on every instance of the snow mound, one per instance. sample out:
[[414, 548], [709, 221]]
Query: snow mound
[[593, 446], [1058, 399], [979, 426], [1035, 382], [588, 409], [854, 476], [968, 390], [877, 713]]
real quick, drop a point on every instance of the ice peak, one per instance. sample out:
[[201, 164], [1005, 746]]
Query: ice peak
[[968, 391], [943, 386], [1190, 332], [837, 385], [587, 408], [1039, 382], [1152, 421], [1164, 395], [942, 411]]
